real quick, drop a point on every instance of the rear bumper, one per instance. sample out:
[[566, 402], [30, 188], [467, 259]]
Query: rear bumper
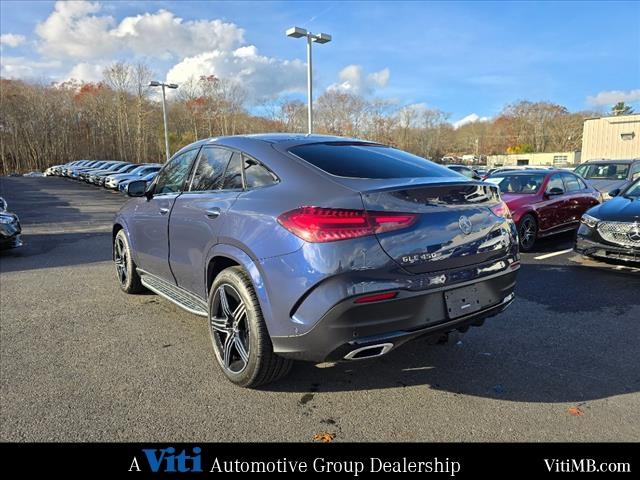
[[349, 326]]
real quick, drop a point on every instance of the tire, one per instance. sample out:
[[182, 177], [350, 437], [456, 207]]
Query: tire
[[527, 232], [128, 277], [239, 331]]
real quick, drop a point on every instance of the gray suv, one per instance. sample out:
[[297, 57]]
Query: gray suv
[[608, 175], [316, 248]]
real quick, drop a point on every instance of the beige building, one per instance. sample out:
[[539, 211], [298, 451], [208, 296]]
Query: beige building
[[614, 138], [554, 159]]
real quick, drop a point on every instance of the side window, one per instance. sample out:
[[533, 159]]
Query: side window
[[209, 174], [571, 183], [233, 174], [555, 182], [171, 178], [635, 171], [256, 174]]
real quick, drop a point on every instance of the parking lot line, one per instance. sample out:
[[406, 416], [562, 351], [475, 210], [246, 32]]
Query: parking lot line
[[549, 255]]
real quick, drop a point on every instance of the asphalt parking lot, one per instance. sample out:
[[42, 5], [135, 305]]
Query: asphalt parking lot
[[81, 361]]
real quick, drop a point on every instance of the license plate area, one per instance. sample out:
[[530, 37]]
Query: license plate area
[[466, 300]]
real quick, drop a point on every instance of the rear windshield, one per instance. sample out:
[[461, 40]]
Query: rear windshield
[[362, 160], [604, 171]]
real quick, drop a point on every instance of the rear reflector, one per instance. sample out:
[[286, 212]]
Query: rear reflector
[[501, 210], [318, 225], [377, 297]]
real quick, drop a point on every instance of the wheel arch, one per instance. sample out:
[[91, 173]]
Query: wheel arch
[[222, 256]]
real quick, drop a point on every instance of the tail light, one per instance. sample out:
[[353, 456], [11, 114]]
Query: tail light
[[501, 210], [319, 225]]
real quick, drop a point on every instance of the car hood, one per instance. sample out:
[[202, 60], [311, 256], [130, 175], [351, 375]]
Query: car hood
[[606, 185], [618, 209], [515, 201]]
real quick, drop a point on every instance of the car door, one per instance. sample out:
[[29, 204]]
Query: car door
[[552, 210], [579, 197], [575, 198], [199, 213], [150, 225]]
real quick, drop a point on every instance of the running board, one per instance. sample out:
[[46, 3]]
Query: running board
[[173, 293]]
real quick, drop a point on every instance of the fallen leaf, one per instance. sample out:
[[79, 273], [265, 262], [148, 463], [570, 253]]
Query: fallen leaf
[[576, 411], [325, 437]]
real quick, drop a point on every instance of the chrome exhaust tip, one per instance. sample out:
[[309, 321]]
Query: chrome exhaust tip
[[369, 351]]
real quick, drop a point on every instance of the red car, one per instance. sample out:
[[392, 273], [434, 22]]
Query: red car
[[544, 202]]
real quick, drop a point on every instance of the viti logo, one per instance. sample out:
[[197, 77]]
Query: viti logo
[[166, 460]]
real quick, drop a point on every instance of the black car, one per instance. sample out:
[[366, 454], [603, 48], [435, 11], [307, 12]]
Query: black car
[[611, 230], [9, 227]]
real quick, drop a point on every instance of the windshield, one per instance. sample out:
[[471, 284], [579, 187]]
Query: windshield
[[146, 170], [517, 183], [604, 171], [633, 191]]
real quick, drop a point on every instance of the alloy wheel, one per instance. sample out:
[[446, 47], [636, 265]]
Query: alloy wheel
[[527, 233], [229, 328], [120, 259]]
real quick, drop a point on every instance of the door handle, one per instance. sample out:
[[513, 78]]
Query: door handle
[[213, 213], [164, 211]]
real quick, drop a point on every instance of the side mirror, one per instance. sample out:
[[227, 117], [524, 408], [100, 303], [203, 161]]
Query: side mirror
[[137, 188], [615, 192], [555, 191]]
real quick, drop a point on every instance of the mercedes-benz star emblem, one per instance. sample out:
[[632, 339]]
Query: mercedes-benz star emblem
[[634, 233], [465, 224]]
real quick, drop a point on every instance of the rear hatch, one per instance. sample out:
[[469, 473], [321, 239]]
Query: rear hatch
[[454, 226]]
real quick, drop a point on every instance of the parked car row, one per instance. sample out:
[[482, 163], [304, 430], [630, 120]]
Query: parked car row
[[105, 173]]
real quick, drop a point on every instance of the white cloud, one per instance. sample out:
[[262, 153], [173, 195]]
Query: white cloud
[[162, 34], [21, 67], [352, 80], [12, 40], [73, 31], [471, 118], [86, 72], [77, 29], [612, 97], [262, 77]]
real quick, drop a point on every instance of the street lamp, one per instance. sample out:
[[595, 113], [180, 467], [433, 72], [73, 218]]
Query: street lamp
[[154, 83], [297, 32]]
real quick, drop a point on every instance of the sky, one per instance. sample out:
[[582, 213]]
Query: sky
[[468, 59]]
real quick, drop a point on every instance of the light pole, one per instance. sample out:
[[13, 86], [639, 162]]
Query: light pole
[[297, 32], [164, 109]]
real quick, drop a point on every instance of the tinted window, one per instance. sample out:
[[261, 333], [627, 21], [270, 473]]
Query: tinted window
[[518, 183], [571, 183], [555, 182], [361, 160], [256, 174], [233, 174], [172, 176], [209, 174], [633, 191], [635, 170]]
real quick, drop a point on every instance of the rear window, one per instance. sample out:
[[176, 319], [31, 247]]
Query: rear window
[[362, 160], [517, 183]]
